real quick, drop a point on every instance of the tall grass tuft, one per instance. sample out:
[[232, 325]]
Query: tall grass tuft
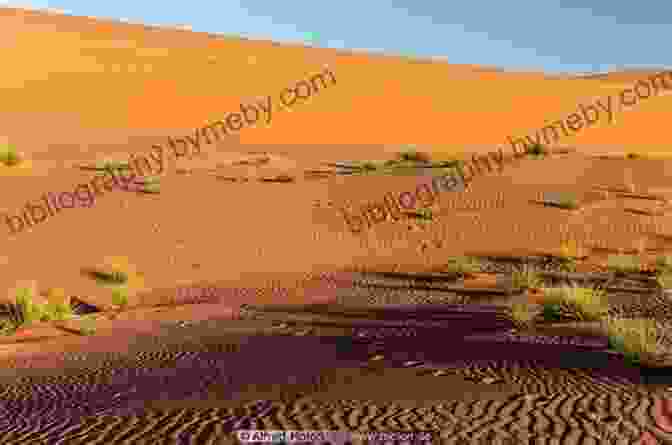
[[638, 339], [9, 156], [526, 278], [586, 304]]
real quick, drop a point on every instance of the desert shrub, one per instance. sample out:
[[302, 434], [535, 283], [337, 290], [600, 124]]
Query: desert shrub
[[421, 214], [57, 311], [120, 297], [567, 201], [664, 280], [624, 263], [552, 312], [9, 156], [585, 304], [638, 339], [462, 265], [664, 263], [115, 277], [537, 149], [30, 310], [526, 278], [522, 315]]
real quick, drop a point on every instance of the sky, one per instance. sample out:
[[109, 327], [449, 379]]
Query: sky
[[555, 36]]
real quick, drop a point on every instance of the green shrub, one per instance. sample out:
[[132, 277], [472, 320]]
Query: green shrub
[[552, 311], [422, 214]]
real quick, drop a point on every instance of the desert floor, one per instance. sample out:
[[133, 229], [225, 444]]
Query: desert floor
[[227, 258]]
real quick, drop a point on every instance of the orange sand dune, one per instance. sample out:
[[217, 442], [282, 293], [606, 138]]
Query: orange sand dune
[[105, 75]]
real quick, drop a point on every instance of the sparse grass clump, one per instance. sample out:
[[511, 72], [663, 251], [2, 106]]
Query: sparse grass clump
[[638, 339], [664, 263], [9, 156], [120, 275], [149, 184], [586, 304], [624, 263], [522, 315], [537, 150], [664, 280], [421, 214], [462, 265], [120, 297], [526, 278], [568, 201]]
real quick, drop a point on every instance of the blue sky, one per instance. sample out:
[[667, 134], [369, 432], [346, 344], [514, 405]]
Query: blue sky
[[560, 36]]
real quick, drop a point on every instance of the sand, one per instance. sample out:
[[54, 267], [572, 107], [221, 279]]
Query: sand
[[183, 364]]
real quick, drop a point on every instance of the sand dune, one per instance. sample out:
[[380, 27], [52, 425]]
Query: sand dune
[[255, 218]]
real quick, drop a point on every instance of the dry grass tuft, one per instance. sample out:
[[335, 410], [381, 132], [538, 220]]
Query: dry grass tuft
[[586, 304], [526, 278], [624, 263], [638, 339], [522, 315], [462, 265], [9, 156]]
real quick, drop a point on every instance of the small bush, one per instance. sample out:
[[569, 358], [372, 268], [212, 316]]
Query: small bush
[[9, 156], [526, 278], [522, 315], [586, 304], [552, 311], [462, 265], [624, 263], [664, 263], [567, 201], [120, 297], [537, 149], [58, 311], [30, 311], [115, 277], [638, 339], [422, 214]]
